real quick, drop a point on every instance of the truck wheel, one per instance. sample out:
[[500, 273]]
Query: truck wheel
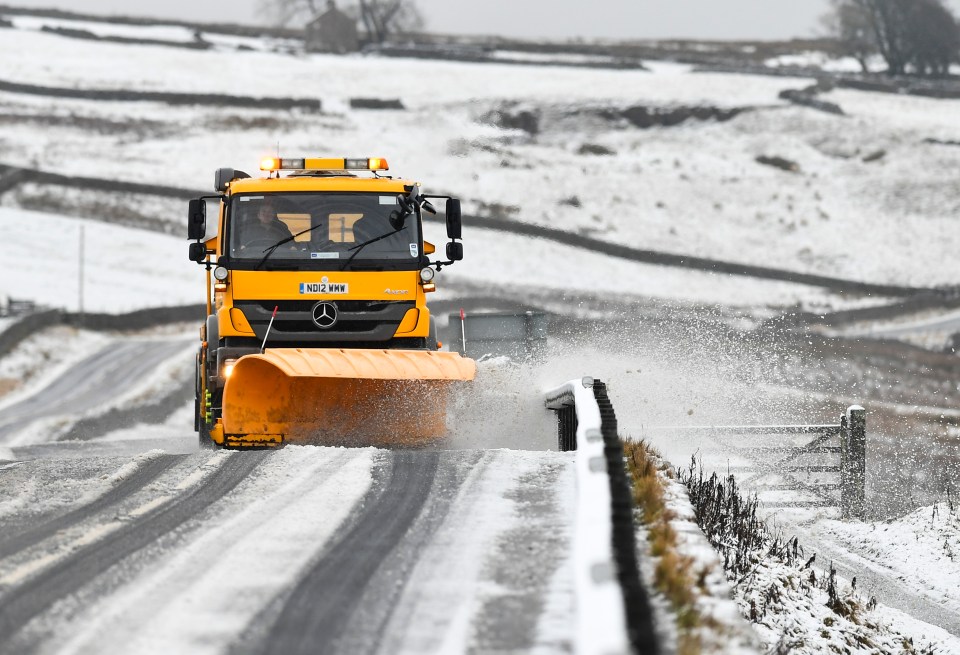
[[203, 436], [201, 425], [196, 394]]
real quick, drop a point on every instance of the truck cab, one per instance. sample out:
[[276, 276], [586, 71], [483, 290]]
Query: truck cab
[[329, 255]]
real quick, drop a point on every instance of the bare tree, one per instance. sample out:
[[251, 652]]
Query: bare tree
[[918, 34], [381, 19], [935, 42], [888, 21], [385, 18], [853, 28], [290, 12]]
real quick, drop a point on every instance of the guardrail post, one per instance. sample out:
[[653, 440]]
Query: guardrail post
[[853, 463], [567, 420]]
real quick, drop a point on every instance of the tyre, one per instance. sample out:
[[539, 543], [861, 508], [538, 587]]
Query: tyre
[[203, 437], [201, 425]]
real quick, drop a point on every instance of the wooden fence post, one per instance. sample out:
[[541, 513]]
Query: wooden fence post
[[853, 463]]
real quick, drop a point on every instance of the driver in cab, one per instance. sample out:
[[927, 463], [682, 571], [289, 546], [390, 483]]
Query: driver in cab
[[265, 228]]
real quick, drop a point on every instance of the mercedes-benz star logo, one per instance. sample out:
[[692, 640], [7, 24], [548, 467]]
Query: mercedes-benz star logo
[[325, 315]]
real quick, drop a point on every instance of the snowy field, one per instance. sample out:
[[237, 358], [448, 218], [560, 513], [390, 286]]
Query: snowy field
[[693, 188], [123, 268]]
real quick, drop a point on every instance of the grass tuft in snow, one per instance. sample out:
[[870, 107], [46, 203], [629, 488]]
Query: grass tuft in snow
[[730, 522], [796, 606]]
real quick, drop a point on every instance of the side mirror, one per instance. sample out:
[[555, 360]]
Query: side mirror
[[197, 219], [455, 251], [198, 252], [454, 223]]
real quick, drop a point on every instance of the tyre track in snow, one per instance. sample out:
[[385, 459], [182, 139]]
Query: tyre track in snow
[[39, 592], [144, 475], [319, 608], [436, 547], [197, 590], [91, 383], [368, 623], [497, 575]]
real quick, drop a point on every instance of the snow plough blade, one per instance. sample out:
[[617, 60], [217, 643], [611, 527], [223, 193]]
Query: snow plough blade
[[328, 396]]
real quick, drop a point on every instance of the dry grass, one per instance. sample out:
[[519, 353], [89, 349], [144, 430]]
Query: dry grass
[[7, 385], [674, 574], [731, 524]]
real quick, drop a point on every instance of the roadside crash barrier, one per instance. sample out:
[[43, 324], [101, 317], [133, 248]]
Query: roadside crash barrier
[[613, 610]]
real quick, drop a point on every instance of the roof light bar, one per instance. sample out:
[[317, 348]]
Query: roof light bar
[[324, 164]]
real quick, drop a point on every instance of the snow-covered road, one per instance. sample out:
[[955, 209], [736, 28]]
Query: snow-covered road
[[156, 545], [97, 381], [306, 549]]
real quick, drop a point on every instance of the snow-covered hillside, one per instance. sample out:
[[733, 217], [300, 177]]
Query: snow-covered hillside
[[123, 268], [694, 188]]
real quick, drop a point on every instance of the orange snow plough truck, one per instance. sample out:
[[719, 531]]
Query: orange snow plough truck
[[317, 326]]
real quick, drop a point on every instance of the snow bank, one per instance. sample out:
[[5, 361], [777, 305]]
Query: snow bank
[[922, 549]]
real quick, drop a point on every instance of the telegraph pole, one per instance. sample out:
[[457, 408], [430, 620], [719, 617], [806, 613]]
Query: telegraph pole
[[80, 274]]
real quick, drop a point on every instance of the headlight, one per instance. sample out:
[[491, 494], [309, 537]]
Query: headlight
[[426, 274], [220, 273], [228, 367]]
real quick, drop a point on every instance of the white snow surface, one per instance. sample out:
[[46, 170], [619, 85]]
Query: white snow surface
[[922, 549], [790, 611], [42, 358], [438, 609], [202, 595], [26, 563], [824, 61], [199, 596], [47, 59], [124, 268], [172, 33]]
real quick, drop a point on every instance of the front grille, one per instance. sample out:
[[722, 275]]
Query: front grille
[[307, 305], [358, 320]]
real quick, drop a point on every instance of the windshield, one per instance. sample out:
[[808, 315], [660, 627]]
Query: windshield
[[325, 228]]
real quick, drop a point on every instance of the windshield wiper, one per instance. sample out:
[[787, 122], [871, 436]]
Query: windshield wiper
[[357, 248], [269, 251]]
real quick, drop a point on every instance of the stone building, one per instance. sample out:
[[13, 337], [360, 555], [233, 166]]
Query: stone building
[[332, 31]]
